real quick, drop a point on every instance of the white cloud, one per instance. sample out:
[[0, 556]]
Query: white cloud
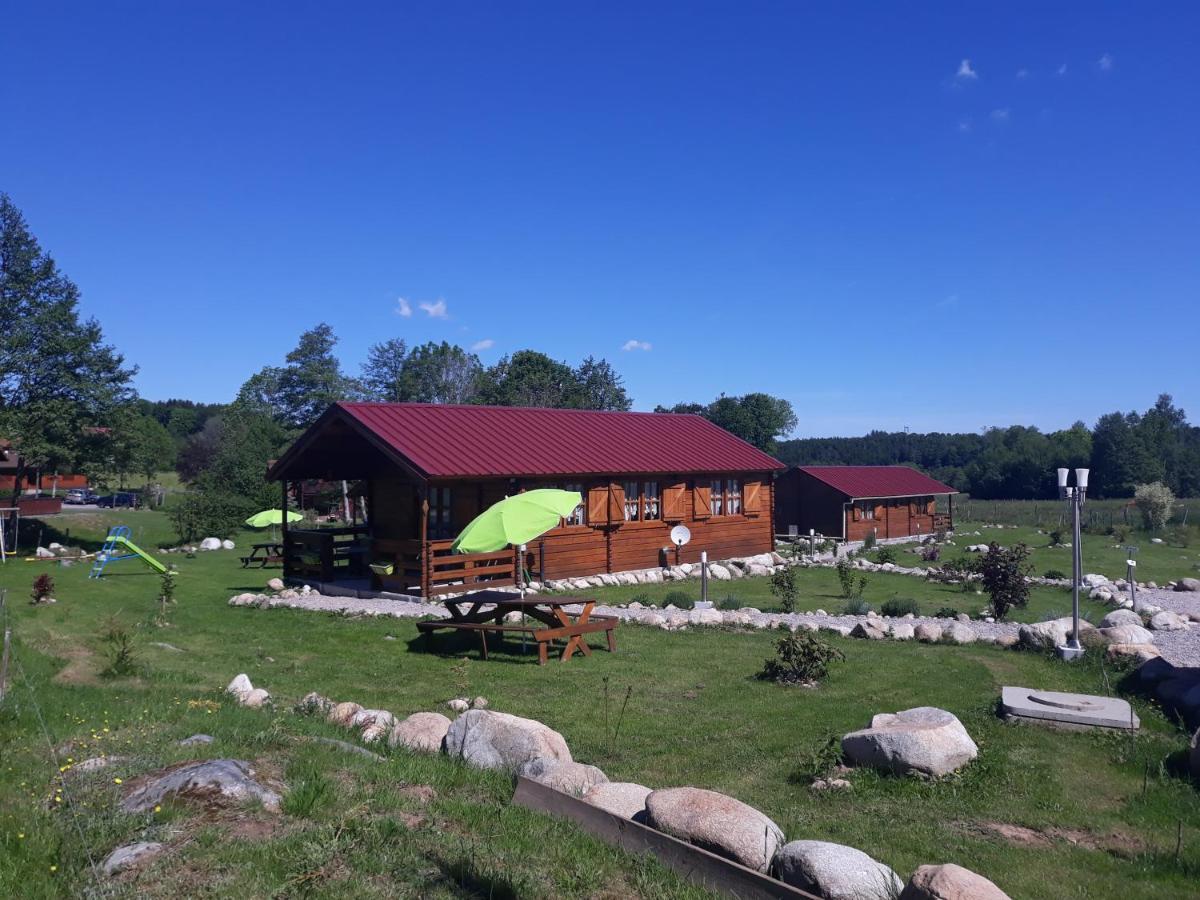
[[1062, 70], [403, 308], [965, 72], [435, 310], [635, 345], [1022, 73], [485, 344], [1105, 63], [964, 125], [1000, 116]]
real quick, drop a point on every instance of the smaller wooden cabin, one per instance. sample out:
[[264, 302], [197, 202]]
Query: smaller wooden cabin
[[851, 502], [427, 470]]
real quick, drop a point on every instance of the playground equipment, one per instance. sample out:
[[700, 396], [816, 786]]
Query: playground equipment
[[118, 546]]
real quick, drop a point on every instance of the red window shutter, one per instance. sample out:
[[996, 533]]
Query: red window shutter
[[597, 506], [616, 504], [751, 498], [701, 501], [857, 512], [673, 502], [879, 511]]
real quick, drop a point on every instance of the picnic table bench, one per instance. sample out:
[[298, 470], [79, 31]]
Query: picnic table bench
[[272, 554], [483, 612]]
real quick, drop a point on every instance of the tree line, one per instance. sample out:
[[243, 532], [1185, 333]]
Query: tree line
[[1123, 450]]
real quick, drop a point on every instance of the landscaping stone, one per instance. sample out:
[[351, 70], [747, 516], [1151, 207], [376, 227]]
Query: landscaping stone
[[227, 545], [1060, 707], [373, 733], [313, 704], [903, 632], [957, 633], [621, 798], [1127, 634], [366, 717], [196, 740], [459, 704], [1141, 652], [210, 543], [950, 882], [256, 698], [835, 871], [130, 855], [276, 584], [1168, 621], [487, 739], [211, 780], [868, 630], [1121, 617], [925, 740], [715, 822], [1188, 584], [343, 714], [571, 778], [928, 633], [422, 732], [240, 686], [1050, 634]]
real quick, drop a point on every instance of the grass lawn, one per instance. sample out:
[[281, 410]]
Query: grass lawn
[[1106, 806]]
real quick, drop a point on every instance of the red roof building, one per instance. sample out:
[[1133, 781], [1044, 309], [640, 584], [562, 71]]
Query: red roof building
[[850, 502], [428, 470]]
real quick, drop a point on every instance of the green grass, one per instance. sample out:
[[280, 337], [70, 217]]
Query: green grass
[[352, 827]]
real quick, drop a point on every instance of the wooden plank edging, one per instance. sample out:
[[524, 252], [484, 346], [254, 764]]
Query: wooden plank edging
[[693, 864]]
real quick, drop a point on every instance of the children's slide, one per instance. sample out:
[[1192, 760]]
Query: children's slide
[[118, 546]]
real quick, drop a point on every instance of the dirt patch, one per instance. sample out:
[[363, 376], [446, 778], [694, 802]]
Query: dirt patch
[[79, 669], [1117, 842], [422, 793]]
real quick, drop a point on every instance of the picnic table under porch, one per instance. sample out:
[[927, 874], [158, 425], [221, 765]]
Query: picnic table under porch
[[484, 613]]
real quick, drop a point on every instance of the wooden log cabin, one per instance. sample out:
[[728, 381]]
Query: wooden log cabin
[[428, 470], [851, 502]]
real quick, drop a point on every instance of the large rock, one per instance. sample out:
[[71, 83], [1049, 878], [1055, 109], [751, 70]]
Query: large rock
[[422, 732], [1140, 652], [210, 780], [130, 855], [487, 739], [210, 543], [1168, 621], [957, 633], [836, 872], [720, 573], [868, 630], [343, 713], [1188, 584], [240, 686], [1121, 617], [1127, 634], [571, 778], [928, 633], [717, 823], [1050, 634], [621, 798], [925, 740], [902, 632], [950, 882]]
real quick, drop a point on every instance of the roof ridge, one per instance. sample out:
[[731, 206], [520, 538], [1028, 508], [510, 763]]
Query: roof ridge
[[557, 409]]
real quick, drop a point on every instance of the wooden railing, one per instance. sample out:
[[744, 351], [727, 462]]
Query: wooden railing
[[325, 554], [438, 571], [942, 522]]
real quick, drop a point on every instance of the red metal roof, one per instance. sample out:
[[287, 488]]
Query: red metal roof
[[445, 441], [877, 481]]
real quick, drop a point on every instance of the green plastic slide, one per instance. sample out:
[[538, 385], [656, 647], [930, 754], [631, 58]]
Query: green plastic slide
[[138, 551]]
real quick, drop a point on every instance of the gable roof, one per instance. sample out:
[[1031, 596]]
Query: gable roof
[[448, 441], [876, 482]]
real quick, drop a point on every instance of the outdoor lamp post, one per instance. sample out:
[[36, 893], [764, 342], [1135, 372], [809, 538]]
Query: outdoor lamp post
[[1131, 573], [1074, 496]]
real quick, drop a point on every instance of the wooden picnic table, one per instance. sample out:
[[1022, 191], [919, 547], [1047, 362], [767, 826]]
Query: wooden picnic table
[[484, 612], [272, 552]]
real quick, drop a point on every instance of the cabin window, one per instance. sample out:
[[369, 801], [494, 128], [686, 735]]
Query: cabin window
[[866, 510], [576, 516], [733, 497], [716, 499], [650, 502], [439, 513], [631, 501]]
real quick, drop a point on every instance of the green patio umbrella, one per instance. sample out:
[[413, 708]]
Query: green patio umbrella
[[516, 520], [271, 517]]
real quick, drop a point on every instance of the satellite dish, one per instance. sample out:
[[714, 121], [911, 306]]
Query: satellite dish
[[680, 535]]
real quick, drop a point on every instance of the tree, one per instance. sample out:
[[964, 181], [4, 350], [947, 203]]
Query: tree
[[383, 373], [199, 450], [598, 386], [756, 418], [529, 378], [439, 373], [1155, 502], [129, 443], [298, 392], [1004, 572], [57, 376]]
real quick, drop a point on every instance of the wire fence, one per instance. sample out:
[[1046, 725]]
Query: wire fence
[[1056, 513]]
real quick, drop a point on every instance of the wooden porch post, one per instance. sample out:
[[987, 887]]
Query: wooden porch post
[[283, 527], [426, 556]]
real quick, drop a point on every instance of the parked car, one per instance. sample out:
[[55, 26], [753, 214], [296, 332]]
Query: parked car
[[119, 499], [80, 495]]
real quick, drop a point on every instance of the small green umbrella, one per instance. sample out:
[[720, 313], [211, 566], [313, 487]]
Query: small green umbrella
[[271, 517], [516, 520]]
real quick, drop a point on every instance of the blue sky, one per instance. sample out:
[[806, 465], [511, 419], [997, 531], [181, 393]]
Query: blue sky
[[936, 215]]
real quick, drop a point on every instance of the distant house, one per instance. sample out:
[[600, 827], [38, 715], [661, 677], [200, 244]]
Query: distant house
[[850, 502], [34, 481], [425, 471]]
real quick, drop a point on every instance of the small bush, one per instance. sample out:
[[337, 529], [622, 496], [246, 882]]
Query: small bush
[[868, 543], [1056, 537], [1120, 533], [1154, 501], [947, 612], [783, 587], [729, 602], [122, 660], [819, 761], [900, 606], [209, 514], [642, 598], [931, 553], [852, 585], [679, 598], [1054, 573], [1004, 572], [43, 586], [800, 658], [856, 606], [885, 554], [1180, 537]]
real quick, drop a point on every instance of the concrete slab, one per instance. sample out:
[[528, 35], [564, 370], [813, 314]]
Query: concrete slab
[[1076, 709]]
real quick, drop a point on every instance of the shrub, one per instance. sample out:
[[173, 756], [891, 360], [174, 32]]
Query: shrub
[[121, 657], [800, 658], [1154, 502], [852, 585], [1054, 573], [1004, 571], [868, 542], [931, 553], [900, 606], [1180, 537], [783, 587], [43, 586], [885, 554], [947, 612], [730, 602], [819, 761], [1120, 533], [679, 598], [856, 606], [1056, 537], [209, 514], [642, 598], [167, 594]]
